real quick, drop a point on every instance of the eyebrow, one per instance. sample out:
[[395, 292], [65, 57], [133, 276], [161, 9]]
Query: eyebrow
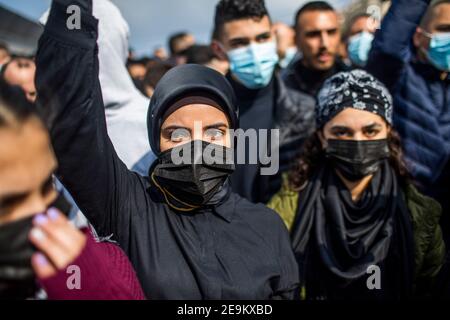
[[216, 126], [246, 39], [319, 31], [372, 126], [443, 27], [340, 127], [175, 127], [15, 195]]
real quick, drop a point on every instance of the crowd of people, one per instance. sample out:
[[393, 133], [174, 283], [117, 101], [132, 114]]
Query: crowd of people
[[355, 113]]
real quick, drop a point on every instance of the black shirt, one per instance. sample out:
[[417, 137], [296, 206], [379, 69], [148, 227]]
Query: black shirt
[[234, 250], [256, 111]]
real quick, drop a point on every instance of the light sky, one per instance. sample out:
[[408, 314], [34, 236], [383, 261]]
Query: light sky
[[152, 21]]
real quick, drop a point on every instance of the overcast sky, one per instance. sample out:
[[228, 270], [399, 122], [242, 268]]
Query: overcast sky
[[152, 21]]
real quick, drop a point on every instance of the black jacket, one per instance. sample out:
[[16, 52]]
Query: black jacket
[[302, 79], [276, 107], [235, 250]]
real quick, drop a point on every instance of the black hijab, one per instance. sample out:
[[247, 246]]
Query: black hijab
[[335, 239], [184, 81]]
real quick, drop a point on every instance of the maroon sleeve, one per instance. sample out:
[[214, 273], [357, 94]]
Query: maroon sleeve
[[105, 273]]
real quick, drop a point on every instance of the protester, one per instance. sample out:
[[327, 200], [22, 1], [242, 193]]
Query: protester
[[359, 37], [244, 37], [411, 56], [350, 205], [187, 236], [160, 53], [318, 38], [36, 240], [178, 44], [19, 71], [152, 77], [286, 47]]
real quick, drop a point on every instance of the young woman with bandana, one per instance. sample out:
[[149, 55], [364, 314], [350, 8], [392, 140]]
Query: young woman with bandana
[[187, 235], [37, 242], [350, 206]]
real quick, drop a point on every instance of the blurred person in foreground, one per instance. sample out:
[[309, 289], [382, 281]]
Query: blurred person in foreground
[[39, 248]]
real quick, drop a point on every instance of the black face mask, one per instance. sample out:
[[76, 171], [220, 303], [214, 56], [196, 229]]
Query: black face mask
[[189, 186], [356, 159], [17, 278]]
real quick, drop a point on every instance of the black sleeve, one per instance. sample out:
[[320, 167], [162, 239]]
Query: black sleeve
[[70, 99]]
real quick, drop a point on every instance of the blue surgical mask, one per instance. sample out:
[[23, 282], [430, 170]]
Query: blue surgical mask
[[253, 65], [439, 50], [288, 57], [359, 46]]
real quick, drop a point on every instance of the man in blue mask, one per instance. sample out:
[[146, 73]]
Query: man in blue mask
[[411, 54], [359, 38], [244, 36]]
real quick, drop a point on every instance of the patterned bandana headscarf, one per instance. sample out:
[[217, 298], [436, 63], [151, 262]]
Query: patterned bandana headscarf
[[355, 89]]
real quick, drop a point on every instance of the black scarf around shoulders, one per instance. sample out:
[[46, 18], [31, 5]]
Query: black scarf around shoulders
[[336, 240]]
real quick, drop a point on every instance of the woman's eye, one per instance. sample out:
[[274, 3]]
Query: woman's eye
[[341, 134], [214, 134], [371, 133], [179, 135]]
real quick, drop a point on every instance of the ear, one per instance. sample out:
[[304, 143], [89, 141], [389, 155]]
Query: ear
[[218, 50], [417, 37]]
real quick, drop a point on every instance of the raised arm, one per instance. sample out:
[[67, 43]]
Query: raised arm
[[392, 46], [70, 97]]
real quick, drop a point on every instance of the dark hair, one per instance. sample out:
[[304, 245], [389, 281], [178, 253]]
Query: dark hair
[[155, 73], [351, 21], [231, 10], [312, 6], [15, 109], [174, 38], [4, 46], [142, 61], [199, 54], [312, 156]]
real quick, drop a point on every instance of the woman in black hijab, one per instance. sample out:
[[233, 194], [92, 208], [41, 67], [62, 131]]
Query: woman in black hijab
[[359, 228], [187, 235]]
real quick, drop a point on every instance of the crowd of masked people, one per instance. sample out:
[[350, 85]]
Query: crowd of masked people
[[359, 208]]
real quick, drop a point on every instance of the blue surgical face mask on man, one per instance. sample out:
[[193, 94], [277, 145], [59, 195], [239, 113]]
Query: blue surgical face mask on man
[[438, 52], [253, 65], [359, 46]]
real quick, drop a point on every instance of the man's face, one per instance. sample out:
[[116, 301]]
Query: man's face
[[438, 21], [363, 24], [20, 72], [137, 71], [318, 38], [243, 32], [27, 163], [285, 38], [183, 44]]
